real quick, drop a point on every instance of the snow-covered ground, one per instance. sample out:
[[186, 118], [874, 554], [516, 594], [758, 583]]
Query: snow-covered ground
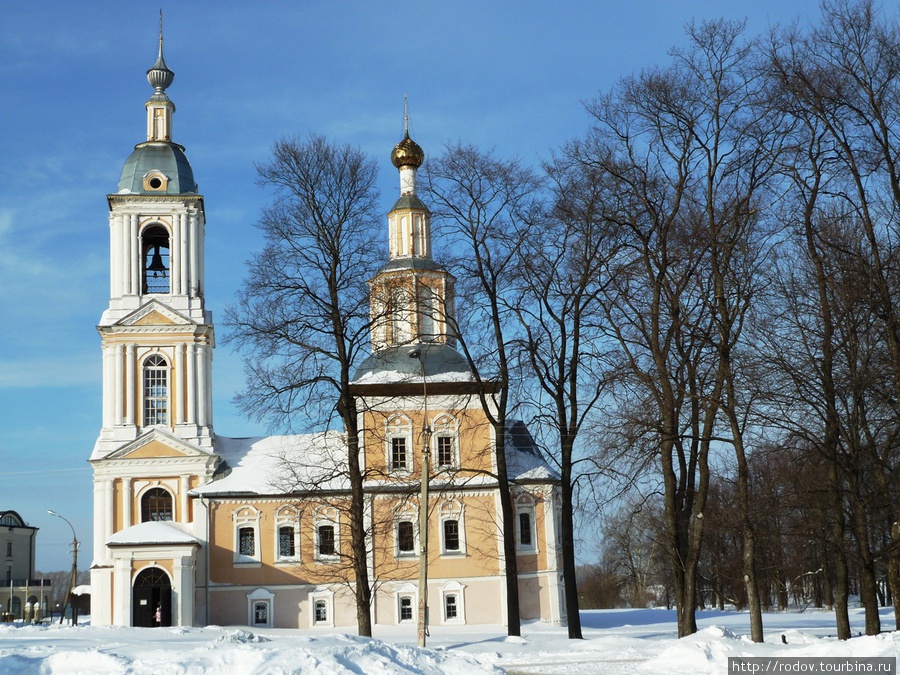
[[616, 641]]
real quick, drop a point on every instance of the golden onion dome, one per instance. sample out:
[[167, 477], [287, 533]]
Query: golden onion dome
[[407, 153]]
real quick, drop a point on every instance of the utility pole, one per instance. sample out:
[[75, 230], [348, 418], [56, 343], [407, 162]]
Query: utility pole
[[423, 507], [74, 573]]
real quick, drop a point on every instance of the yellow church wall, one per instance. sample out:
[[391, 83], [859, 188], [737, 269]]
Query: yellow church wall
[[138, 565], [154, 449], [266, 569], [118, 516], [474, 440]]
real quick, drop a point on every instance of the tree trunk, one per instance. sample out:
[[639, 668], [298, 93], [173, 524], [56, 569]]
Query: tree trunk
[[894, 572], [567, 540], [868, 592], [362, 588], [841, 586], [510, 564]]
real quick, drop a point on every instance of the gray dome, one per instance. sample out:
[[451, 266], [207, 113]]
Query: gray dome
[[167, 158], [394, 365]]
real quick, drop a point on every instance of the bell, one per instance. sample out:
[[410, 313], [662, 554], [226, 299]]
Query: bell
[[156, 263]]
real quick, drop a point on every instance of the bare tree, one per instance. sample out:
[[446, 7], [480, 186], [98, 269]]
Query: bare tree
[[482, 203], [302, 317], [685, 153], [562, 271], [840, 85]]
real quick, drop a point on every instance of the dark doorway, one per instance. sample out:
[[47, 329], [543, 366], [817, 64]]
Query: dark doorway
[[152, 591]]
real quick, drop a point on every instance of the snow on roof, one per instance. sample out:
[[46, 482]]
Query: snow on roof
[[151, 533], [273, 465], [279, 464], [524, 460], [84, 589], [393, 365]]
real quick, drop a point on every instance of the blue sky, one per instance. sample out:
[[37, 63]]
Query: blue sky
[[505, 75]]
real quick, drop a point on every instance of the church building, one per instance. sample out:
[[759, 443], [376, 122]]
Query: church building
[[191, 528]]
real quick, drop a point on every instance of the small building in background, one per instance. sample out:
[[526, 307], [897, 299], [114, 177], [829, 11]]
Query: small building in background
[[21, 595]]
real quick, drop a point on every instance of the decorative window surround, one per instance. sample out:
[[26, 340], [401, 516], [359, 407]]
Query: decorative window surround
[[452, 510], [526, 540], [445, 441], [321, 609], [246, 519], [453, 606], [323, 518], [398, 445], [260, 608], [287, 520]]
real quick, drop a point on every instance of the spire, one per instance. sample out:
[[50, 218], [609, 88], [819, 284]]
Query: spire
[[159, 107], [405, 116], [159, 76]]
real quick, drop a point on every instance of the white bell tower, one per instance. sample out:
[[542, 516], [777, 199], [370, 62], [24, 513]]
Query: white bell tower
[[157, 337]]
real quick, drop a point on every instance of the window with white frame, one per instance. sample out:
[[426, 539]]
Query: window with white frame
[[406, 602], [405, 609], [452, 529], [321, 606], [246, 535], [259, 605], [526, 540], [247, 541], [156, 505], [399, 444], [451, 535], [445, 435], [404, 534], [453, 603], [287, 534], [156, 390], [326, 534]]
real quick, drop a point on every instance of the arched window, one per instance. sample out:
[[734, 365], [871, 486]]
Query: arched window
[[156, 504], [156, 391], [155, 260], [400, 316], [427, 320]]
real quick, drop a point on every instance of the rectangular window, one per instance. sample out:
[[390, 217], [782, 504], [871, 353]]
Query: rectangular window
[[451, 607], [247, 541], [321, 611], [451, 535], [525, 530], [261, 613], [406, 608], [406, 540], [444, 450], [286, 542], [398, 454], [9, 549], [326, 540]]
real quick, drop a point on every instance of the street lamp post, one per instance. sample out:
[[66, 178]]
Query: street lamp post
[[423, 508], [74, 573]]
